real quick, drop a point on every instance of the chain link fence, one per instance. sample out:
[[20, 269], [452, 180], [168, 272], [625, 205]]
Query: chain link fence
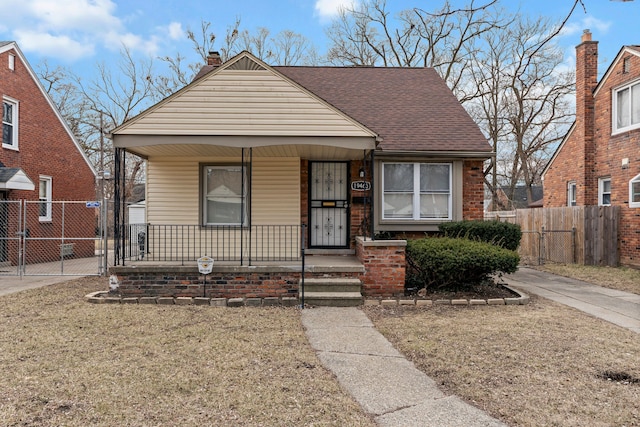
[[52, 238]]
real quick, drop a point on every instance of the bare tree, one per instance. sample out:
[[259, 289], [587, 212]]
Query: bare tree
[[444, 39], [525, 103]]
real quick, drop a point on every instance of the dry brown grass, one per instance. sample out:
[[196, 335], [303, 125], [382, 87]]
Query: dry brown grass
[[540, 364], [68, 362], [620, 278]]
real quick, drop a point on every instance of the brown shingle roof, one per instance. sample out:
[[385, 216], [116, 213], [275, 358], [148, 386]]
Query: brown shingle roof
[[412, 109]]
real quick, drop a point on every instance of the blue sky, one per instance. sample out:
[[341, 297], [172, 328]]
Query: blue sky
[[80, 33]]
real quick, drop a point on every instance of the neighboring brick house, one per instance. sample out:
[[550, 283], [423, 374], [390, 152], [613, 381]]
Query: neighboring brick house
[[598, 161], [40, 161]]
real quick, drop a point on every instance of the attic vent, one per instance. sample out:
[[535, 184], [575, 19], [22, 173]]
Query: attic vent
[[245, 64], [626, 65]]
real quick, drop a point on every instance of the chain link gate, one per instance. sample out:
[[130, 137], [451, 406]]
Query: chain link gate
[[56, 238]]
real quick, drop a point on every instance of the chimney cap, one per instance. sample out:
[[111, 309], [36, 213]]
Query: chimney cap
[[586, 35]]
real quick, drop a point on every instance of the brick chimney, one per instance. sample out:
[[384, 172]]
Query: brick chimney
[[214, 59], [586, 81]]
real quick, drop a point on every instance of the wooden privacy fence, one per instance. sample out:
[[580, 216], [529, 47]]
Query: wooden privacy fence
[[585, 235]]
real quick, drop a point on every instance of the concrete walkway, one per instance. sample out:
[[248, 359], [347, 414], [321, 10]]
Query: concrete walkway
[[381, 380], [617, 307], [390, 388]]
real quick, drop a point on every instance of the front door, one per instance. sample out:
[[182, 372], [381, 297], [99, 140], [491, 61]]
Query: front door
[[329, 207]]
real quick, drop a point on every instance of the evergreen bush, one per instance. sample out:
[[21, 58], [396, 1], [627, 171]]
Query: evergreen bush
[[455, 263], [502, 234]]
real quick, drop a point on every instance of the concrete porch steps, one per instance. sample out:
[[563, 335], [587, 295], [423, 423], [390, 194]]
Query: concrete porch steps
[[332, 291]]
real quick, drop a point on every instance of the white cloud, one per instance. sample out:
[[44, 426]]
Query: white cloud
[[175, 31], [74, 29], [330, 8], [588, 22], [62, 47]]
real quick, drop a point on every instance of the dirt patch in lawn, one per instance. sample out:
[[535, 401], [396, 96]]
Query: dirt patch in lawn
[[481, 291], [67, 362], [541, 364]]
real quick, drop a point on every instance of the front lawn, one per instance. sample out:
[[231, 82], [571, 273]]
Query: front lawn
[[67, 362], [540, 364]]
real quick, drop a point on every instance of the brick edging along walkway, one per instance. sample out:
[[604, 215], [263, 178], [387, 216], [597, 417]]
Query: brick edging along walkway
[[104, 297]]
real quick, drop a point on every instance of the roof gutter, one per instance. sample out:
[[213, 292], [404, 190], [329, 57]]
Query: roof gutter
[[459, 154]]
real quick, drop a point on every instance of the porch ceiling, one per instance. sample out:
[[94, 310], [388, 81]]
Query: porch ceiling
[[325, 148]]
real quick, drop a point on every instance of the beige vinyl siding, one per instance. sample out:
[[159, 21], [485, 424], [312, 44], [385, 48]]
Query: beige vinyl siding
[[173, 190], [241, 102], [276, 191]]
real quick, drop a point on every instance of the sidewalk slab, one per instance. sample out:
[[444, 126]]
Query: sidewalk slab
[[614, 306], [378, 377], [446, 412]]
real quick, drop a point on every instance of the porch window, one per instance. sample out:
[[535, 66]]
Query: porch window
[[634, 192], [225, 195], [416, 191], [44, 195]]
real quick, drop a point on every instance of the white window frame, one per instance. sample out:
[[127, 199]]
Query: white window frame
[[632, 203], [614, 110], [416, 193], [46, 198], [602, 193], [15, 120], [572, 192], [204, 204]]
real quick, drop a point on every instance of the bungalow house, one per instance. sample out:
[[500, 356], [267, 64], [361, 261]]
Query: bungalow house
[[250, 163], [598, 161], [38, 154]]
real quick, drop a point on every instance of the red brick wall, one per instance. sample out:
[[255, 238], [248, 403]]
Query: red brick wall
[[45, 147], [472, 190], [385, 266], [584, 163]]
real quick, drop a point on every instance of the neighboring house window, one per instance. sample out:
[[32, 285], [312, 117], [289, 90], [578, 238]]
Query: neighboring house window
[[604, 191], [225, 195], [45, 198], [626, 111], [416, 191], [572, 189], [10, 123], [634, 192]]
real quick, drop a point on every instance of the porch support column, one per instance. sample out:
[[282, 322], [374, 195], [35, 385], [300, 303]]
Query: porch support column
[[373, 198], [119, 205]]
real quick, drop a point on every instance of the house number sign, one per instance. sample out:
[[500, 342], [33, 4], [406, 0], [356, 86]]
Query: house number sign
[[360, 186]]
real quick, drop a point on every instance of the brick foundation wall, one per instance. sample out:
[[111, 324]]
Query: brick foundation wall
[[223, 282], [385, 266]]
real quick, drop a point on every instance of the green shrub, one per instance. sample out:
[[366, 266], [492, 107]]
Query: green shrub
[[448, 263], [498, 233]]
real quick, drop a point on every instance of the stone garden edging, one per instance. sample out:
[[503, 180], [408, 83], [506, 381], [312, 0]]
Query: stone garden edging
[[104, 297]]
